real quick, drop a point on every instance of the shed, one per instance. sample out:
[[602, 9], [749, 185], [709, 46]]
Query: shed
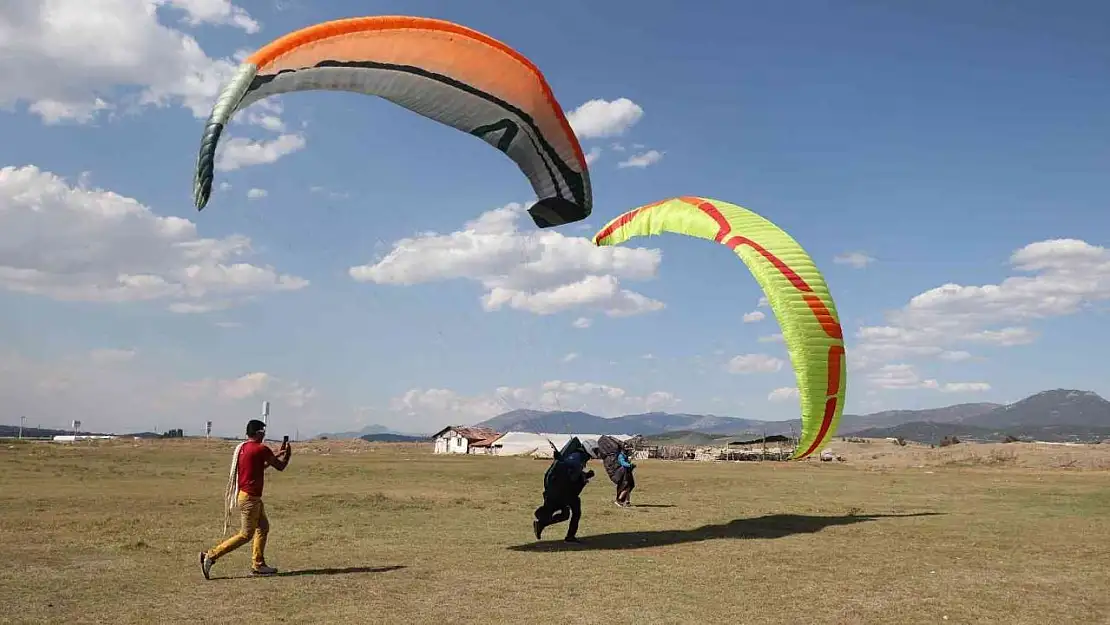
[[459, 439]]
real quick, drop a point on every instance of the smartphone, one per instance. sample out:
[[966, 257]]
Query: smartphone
[[285, 440]]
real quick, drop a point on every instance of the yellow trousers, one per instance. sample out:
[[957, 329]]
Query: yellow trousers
[[253, 525]]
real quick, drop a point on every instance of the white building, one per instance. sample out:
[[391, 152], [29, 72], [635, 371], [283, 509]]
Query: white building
[[459, 439], [537, 445]]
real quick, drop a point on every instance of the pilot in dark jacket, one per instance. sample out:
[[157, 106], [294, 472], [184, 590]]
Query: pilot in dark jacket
[[562, 495]]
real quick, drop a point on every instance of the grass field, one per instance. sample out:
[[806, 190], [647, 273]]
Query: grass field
[[109, 532]]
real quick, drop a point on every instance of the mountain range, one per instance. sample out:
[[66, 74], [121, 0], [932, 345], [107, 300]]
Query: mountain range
[[1052, 415]]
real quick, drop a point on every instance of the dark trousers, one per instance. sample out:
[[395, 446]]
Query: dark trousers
[[625, 482], [552, 512]]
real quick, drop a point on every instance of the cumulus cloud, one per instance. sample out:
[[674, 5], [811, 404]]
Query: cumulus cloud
[[602, 118], [1067, 277], [73, 60], [582, 323], [76, 243], [784, 393], [542, 272], [122, 390], [754, 363], [219, 12], [641, 160], [238, 152], [754, 316], [68, 59], [430, 409], [256, 194], [902, 376], [859, 260]]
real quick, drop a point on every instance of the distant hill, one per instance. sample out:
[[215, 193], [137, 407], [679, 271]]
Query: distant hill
[[387, 437], [648, 423], [369, 430], [1057, 415], [948, 414], [1061, 414], [1055, 407]]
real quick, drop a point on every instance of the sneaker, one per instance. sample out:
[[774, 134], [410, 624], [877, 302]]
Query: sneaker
[[206, 565], [571, 539], [537, 529], [263, 570], [617, 503]]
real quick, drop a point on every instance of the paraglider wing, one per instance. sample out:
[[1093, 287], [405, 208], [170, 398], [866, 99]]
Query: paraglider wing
[[794, 287], [608, 449], [550, 476], [438, 69]]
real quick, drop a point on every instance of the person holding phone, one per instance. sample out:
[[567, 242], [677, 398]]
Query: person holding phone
[[245, 482]]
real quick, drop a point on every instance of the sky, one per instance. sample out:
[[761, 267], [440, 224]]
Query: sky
[[944, 163]]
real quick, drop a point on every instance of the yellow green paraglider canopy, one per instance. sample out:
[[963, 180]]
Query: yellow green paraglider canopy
[[795, 290]]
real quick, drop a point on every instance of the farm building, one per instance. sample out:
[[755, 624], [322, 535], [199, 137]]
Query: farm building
[[458, 439], [537, 445]]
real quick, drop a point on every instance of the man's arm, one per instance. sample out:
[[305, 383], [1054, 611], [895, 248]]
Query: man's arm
[[281, 460]]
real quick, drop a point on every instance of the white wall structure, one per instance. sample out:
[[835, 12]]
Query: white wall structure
[[536, 444], [458, 439]]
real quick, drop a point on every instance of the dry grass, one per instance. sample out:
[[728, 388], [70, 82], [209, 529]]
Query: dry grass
[[109, 533]]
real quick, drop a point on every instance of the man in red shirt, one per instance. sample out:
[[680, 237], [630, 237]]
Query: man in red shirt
[[248, 468]]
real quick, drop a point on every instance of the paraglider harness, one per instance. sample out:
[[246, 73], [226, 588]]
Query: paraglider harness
[[562, 481], [562, 488], [610, 450]]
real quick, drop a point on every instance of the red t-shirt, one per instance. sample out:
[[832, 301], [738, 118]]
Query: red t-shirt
[[252, 466]]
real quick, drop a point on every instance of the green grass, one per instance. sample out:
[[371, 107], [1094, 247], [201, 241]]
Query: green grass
[[109, 533]]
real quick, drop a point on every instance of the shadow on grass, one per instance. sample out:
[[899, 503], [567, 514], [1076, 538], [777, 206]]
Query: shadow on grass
[[768, 526], [350, 570], [652, 505], [343, 571]]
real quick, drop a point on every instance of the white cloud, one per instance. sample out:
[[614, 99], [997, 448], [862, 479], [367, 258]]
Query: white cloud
[[69, 59], [75, 243], [601, 118], [965, 387], [902, 376], [593, 155], [571, 356], [784, 393], [582, 323], [542, 272], [771, 338], [220, 12], [430, 409], [1069, 276], [255, 194], [899, 376], [859, 260], [238, 152], [121, 391], [644, 159], [331, 195], [754, 316], [754, 363]]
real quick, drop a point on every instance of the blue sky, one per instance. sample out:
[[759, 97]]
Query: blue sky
[[907, 147]]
